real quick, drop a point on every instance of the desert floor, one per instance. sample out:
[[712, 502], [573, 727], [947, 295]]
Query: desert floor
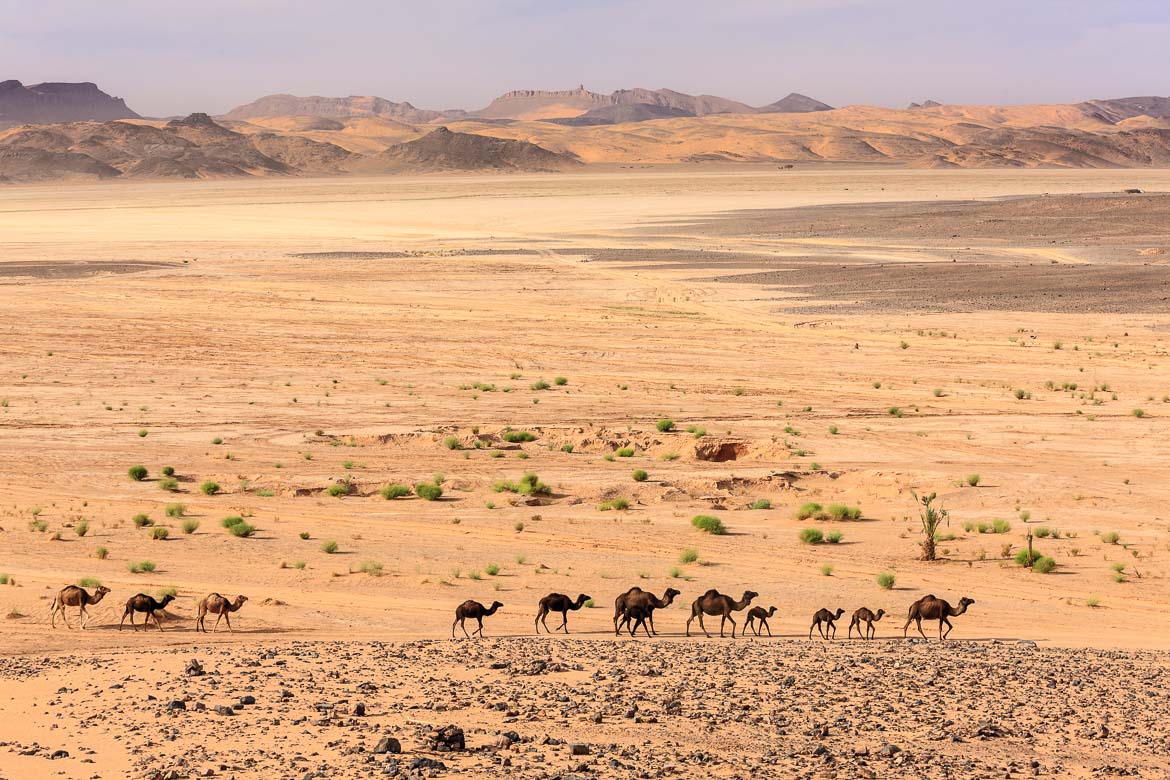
[[835, 335]]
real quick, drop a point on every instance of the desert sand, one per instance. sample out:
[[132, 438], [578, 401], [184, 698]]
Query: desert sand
[[282, 337]]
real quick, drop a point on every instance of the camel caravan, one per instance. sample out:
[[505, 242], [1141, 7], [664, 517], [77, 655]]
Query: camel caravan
[[633, 609]]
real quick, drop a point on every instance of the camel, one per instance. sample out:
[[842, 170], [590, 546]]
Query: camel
[[558, 602], [148, 604], [219, 606], [715, 603], [931, 608], [866, 616], [646, 603], [73, 596], [826, 618], [760, 614], [473, 609]]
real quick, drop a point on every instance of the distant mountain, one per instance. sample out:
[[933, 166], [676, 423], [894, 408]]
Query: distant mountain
[[333, 107], [1119, 109], [443, 150], [616, 115], [544, 104], [52, 102], [794, 103]]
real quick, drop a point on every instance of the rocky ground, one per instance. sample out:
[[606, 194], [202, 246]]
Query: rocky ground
[[561, 708]]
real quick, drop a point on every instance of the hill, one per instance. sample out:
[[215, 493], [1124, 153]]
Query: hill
[[544, 104], [794, 103], [58, 102], [443, 150]]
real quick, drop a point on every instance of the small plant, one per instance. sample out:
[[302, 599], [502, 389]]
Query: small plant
[[141, 567], [175, 510], [304, 535], [688, 555], [209, 488], [518, 437], [670, 456], [190, 525], [158, 533], [620, 504], [1000, 526], [299, 565], [624, 452], [539, 384], [393, 491], [894, 411], [217, 440], [886, 580], [329, 547], [372, 568], [1042, 532], [242, 530], [81, 528], [1027, 558], [809, 510], [518, 526], [428, 491], [826, 570], [84, 582], [932, 518], [169, 484], [137, 473], [339, 489], [972, 480], [1043, 565], [1022, 395], [141, 520], [640, 475], [1139, 413], [492, 569], [101, 553], [168, 471], [811, 536], [1111, 537], [231, 520], [708, 524], [760, 503], [567, 448], [561, 381], [665, 425], [451, 443], [842, 512]]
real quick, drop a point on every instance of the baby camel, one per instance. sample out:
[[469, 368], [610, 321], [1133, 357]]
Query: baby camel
[[558, 602], [866, 616], [760, 614], [644, 602], [73, 596], [219, 606], [473, 609], [824, 616], [148, 604]]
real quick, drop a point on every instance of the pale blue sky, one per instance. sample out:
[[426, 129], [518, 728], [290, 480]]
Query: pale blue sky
[[209, 56]]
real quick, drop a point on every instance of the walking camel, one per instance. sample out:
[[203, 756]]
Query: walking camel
[[643, 601], [220, 606], [473, 609], [931, 608], [826, 618], [760, 614], [558, 602], [715, 603], [866, 616], [148, 604], [73, 596]]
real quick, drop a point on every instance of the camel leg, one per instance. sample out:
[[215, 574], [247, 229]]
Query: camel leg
[[544, 622], [480, 629], [227, 619], [65, 618], [940, 625], [702, 625], [537, 622], [84, 615], [919, 621], [218, 617], [732, 621], [123, 620], [909, 620], [564, 622], [156, 620], [833, 626], [810, 629], [692, 617], [769, 629], [653, 630]]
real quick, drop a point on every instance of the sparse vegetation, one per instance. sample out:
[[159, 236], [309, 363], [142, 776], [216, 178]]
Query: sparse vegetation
[[428, 491], [158, 533], [932, 518], [664, 425], [834, 537], [826, 570], [640, 475], [809, 510], [518, 437], [242, 529], [620, 504], [101, 553], [190, 525], [624, 452], [886, 580], [811, 536], [81, 527], [393, 491], [843, 512], [529, 485], [137, 473], [760, 503], [451, 443], [688, 555], [973, 480], [209, 488], [329, 547], [168, 484], [1111, 537], [140, 567], [141, 520], [708, 524]]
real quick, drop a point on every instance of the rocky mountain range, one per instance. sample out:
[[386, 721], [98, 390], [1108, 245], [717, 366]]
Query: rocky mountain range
[[53, 102]]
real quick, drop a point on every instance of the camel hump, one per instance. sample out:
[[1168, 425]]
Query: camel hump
[[711, 593]]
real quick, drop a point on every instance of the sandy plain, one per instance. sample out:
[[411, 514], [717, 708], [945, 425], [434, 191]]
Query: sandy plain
[[325, 330]]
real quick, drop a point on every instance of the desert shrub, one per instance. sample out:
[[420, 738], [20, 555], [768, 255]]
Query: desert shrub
[[101, 553], [218, 440], [1042, 532], [428, 491], [1111, 537], [492, 569], [242, 530], [84, 582], [827, 570], [624, 452], [169, 484], [81, 528], [141, 520], [518, 437], [1024, 558], [329, 547], [1043, 565], [973, 480], [518, 525], [209, 488], [168, 471], [568, 448], [3, 579], [158, 533], [36, 524], [812, 536], [539, 384], [620, 504], [894, 411], [529, 485], [688, 555], [561, 381], [886, 580], [373, 568], [1139, 413], [451, 442], [137, 473], [670, 456], [808, 510], [834, 537], [1000, 526], [843, 512], [231, 520], [339, 489], [640, 475], [304, 535], [664, 425], [1022, 395], [760, 503], [708, 524], [139, 567], [190, 525], [394, 490], [175, 510]]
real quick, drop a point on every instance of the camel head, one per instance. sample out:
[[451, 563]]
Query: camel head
[[966, 602], [879, 614], [497, 604], [771, 611], [840, 612], [101, 591], [167, 599], [748, 595], [582, 598], [671, 593], [241, 599]]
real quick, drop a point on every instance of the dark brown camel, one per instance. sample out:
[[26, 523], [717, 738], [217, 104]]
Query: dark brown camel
[[147, 604], [646, 603], [931, 608], [473, 609], [715, 603], [823, 618], [220, 606], [866, 616], [73, 596], [760, 614], [558, 602]]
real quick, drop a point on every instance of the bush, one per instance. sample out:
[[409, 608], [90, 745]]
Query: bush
[[492, 569], [81, 528], [373, 568], [760, 503], [688, 555], [1139, 413], [621, 504], [190, 525], [168, 471], [834, 537], [209, 488], [640, 475], [973, 480], [393, 491], [539, 384], [812, 536], [84, 582], [339, 489], [304, 535], [708, 524], [137, 473], [1043, 565], [242, 530], [886, 580], [567, 448], [231, 520], [1042, 532], [518, 437], [842, 512], [560, 381], [1024, 559], [169, 484], [806, 511], [1022, 395], [664, 425], [158, 533], [141, 520], [141, 567], [329, 547], [175, 510], [1112, 537], [451, 442], [1000, 526], [894, 411], [428, 491], [624, 452], [101, 553], [529, 485], [826, 569]]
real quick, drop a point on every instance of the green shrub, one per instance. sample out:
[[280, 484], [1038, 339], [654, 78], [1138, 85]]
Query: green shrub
[[812, 536], [886, 580], [1022, 395], [894, 411], [567, 448], [518, 437], [169, 484], [640, 475], [304, 535], [137, 473], [670, 456], [842, 512], [689, 555], [428, 491], [624, 452], [560, 381], [973, 480], [1023, 558], [339, 489], [329, 547], [394, 490], [1042, 532], [539, 384], [1000, 526], [827, 570], [231, 520], [81, 528], [760, 503], [708, 524], [209, 488], [84, 582], [158, 533], [217, 440], [141, 567], [518, 525], [620, 504], [1111, 537], [101, 553], [809, 510], [664, 425], [1043, 565], [141, 520], [168, 471], [242, 530], [1139, 413], [190, 525], [373, 568], [175, 510], [834, 537], [451, 442]]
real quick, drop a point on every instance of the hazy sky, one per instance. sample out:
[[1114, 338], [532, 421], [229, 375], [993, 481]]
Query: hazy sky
[[171, 58]]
